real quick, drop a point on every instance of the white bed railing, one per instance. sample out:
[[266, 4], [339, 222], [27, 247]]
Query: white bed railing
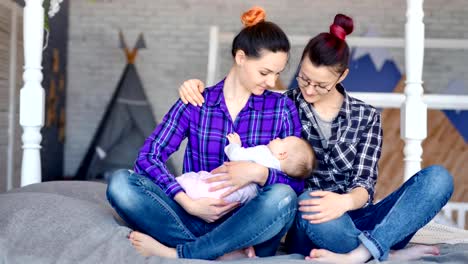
[[32, 95], [457, 212], [433, 101]]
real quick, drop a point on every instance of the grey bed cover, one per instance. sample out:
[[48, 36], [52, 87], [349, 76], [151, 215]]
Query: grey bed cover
[[72, 222]]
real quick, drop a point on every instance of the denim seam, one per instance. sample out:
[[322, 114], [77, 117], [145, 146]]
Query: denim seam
[[168, 209], [179, 251]]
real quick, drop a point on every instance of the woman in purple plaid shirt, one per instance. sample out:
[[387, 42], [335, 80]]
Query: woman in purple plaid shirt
[[336, 220], [151, 201]]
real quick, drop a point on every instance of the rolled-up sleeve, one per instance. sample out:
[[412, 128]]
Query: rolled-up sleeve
[[367, 157]]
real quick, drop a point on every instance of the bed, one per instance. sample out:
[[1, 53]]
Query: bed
[[72, 222]]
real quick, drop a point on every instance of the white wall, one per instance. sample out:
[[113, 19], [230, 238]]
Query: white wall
[[176, 33]]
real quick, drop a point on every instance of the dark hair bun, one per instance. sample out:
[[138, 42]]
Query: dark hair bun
[[342, 26]]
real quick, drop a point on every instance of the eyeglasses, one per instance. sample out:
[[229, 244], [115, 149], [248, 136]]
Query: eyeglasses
[[304, 83]]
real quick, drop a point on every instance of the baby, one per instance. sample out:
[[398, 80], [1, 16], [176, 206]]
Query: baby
[[292, 155]]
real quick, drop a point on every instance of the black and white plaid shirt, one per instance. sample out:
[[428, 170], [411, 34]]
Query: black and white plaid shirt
[[351, 156]]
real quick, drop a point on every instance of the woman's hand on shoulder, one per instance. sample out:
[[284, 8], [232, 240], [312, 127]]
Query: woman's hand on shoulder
[[191, 92], [325, 206]]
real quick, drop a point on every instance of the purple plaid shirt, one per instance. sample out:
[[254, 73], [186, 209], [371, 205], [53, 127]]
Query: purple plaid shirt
[[263, 118]]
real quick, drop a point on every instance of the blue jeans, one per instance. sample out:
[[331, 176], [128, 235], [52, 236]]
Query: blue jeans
[[389, 224], [261, 223]]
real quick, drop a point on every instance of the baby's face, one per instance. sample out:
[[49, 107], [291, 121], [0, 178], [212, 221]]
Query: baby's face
[[280, 145]]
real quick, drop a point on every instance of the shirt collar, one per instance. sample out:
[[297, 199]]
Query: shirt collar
[[345, 109], [215, 96]]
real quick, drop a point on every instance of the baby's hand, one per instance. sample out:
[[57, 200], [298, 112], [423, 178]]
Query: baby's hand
[[234, 138]]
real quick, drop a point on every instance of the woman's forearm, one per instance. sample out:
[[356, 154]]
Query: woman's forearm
[[356, 199], [183, 200], [261, 176]]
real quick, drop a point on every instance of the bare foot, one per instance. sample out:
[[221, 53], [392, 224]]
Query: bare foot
[[148, 246], [239, 254], [414, 252], [323, 255], [358, 255], [250, 252]]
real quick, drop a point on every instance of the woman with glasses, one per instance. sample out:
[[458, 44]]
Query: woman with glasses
[[337, 220]]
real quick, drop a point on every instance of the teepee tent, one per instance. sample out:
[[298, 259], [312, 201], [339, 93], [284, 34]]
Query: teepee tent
[[127, 121]]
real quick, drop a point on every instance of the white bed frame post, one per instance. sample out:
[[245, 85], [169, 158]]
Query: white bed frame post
[[414, 110], [32, 94], [212, 66]]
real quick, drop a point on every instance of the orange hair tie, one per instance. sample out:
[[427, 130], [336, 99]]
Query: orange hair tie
[[253, 16]]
